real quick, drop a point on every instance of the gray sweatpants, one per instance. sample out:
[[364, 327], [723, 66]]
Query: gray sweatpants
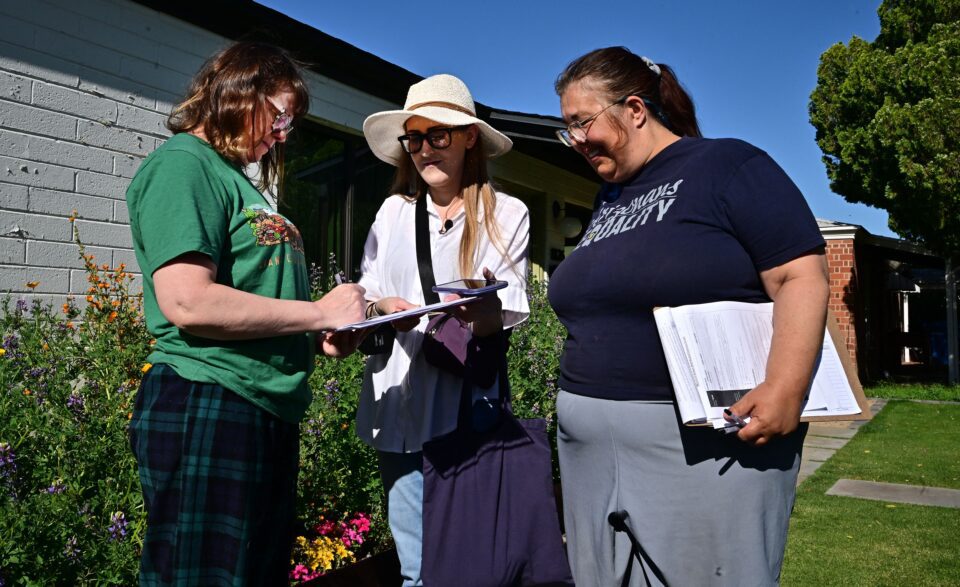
[[704, 508]]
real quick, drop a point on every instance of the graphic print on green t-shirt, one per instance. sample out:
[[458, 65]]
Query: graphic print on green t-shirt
[[186, 198]]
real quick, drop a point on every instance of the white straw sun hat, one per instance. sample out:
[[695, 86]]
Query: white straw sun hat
[[441, 98]]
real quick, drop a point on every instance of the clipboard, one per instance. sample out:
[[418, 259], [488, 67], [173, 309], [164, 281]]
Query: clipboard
[[411, 313]]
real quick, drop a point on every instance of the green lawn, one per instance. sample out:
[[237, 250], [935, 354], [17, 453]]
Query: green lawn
[[921, 391], [847, 541]]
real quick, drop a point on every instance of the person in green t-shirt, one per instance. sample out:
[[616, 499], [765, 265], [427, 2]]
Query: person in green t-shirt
[[215, 429]]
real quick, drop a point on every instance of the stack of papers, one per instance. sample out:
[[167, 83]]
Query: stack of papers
[[718, 352]]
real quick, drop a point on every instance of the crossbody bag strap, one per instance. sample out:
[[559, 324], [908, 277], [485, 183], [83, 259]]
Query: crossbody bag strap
[[424, 257]]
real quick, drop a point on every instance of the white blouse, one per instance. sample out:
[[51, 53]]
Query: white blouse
[[405, 401]]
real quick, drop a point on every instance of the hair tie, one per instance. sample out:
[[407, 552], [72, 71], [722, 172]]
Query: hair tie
[[649, 63]]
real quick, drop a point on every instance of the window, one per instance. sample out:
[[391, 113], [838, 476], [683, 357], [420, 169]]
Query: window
[[333, 186]]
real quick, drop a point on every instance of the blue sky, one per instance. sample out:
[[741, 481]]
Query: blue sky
[[750, 65]]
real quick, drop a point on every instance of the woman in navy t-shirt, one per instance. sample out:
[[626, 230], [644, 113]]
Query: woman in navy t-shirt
[[680, 220]]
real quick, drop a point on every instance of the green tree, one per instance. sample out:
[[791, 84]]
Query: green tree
[[887, 116]]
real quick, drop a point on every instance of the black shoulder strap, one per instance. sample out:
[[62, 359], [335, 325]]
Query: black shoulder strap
[[424, 258]]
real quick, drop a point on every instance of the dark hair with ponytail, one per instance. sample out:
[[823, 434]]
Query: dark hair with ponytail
[[618, 72]]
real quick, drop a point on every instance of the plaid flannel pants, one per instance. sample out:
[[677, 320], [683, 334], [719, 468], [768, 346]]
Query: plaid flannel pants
[[218, 476]]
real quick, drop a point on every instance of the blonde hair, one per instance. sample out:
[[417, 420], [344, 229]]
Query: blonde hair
[[476, 190]]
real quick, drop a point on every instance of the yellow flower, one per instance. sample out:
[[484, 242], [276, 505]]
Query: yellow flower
[[45, 347], [145, 368], [3, 352], [33, 284]]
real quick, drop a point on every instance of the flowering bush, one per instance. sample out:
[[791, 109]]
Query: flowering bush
[[71, 511], [332, 544], [70, 505]]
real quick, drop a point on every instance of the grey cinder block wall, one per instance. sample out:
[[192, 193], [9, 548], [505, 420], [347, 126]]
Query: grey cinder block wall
[[85, 88]]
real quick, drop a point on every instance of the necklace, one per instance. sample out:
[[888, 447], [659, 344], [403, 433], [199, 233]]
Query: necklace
[[446, 223]]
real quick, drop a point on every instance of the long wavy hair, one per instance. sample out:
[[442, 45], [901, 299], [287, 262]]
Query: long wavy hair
[[229, 94], [477, 191]]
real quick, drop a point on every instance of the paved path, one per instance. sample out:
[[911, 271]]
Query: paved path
[[825, 438]]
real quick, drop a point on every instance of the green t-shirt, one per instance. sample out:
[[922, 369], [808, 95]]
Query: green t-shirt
[[187, 198]]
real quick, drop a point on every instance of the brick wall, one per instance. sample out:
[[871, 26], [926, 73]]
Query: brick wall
[[842, 265], [85, 88]]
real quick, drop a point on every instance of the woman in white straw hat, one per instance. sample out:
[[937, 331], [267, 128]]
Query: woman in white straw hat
[[439, 147]]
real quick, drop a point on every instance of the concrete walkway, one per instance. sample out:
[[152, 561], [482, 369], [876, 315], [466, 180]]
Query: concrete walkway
[[825, 438]]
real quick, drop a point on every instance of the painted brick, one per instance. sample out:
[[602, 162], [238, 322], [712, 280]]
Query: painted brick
[[126, 165], [13, 29], [43, 14], [103, 234], [180, 60], [45, 150], [34, 226], [110, 35], [76, 49], [23, 172], [13, 251], [153, 74], [38, 65], [65, 255], [120, 212], [14, 87], [118, 139], [13, 197], [128, 258], [100, 83], [14, 278], [166, 102], [37, 121], [73, 102], [64, 203], [142, 120], [99, 184]]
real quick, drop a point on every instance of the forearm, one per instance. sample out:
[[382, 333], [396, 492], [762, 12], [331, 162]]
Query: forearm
[[221, 312], [799, 316]]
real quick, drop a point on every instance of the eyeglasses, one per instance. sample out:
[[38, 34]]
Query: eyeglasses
[[576, 132], [438, 137], [283, 122]]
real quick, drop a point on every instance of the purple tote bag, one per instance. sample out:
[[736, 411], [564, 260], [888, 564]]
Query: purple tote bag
[[489, 512]]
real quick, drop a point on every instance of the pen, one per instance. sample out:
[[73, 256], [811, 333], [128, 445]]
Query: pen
[[737, 420]]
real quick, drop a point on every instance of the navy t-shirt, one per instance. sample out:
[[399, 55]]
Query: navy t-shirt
[[695, 225]]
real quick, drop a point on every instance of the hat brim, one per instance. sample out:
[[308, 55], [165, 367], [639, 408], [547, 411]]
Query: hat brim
[[382, 129]]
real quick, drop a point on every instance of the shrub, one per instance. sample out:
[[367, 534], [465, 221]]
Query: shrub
[[70, 504], [71, 511]]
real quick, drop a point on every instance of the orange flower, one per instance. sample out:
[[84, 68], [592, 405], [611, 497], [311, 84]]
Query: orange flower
[[66, 308], [112, 317], [115, 304], [146, 367], [129, 415], [70, 325], [89, 298], [26, 391], [33, 284], [45, 347]]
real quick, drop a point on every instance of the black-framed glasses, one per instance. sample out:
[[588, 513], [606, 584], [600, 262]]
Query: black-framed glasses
[[283, 122], [576, 132], [439, 137]]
